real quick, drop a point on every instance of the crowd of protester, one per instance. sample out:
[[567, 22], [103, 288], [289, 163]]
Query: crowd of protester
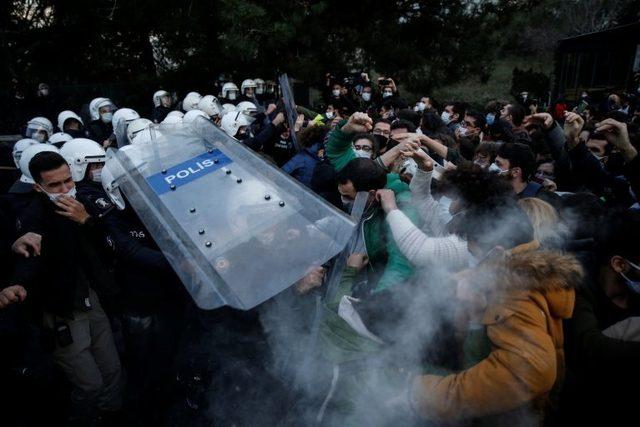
[[521, 222]]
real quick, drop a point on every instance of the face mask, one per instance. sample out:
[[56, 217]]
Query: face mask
[[40, 137], [106, 117], [335, 93], [382, 140], [493, 168], [44, 92], [481, 164], [347, 203], [329, 114], [542, 176], [96, 175], [259, 90], [421, 106], [361, 154], [462, 131], [632, 284], [55, 196], [232, 96], [386, 94], [446, 117], [490, 118], [366, 96]]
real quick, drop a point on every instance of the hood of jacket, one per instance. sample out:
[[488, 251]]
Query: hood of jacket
[[525, 269]]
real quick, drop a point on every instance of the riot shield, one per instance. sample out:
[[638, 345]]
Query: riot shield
[[120, 133], [236, 230], [290, 107]]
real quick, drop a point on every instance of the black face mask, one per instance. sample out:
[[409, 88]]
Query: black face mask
[[76, 133], [382, 141]]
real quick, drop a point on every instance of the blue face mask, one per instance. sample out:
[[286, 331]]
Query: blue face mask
[[634, 285], [490, 118]]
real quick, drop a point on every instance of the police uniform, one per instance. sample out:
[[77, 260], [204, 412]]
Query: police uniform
[[151, 299], [19, 196]]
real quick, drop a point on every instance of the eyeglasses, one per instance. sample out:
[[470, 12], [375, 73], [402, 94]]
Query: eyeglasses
[[381, 132], [362, 147]]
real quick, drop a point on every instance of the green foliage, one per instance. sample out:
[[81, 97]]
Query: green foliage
[[537, 84], [424, 45]]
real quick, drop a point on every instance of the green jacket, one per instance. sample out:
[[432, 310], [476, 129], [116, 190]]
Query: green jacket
[[386, 262]]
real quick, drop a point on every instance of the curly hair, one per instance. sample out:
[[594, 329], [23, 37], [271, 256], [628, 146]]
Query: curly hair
[[471, 185], [312, 135]]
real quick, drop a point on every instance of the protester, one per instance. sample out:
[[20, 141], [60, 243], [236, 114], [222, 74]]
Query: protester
[[601, 360], [521, 297]]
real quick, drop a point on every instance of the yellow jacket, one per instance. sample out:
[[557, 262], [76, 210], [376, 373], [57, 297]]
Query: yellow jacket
[[528, 295]]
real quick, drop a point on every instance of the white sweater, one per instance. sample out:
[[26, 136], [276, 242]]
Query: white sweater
[[421, 249]]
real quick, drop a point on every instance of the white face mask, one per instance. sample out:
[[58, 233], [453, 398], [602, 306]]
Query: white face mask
[[481, 164], [259, 90], [421, 106], [462, 131], [501, 172], [446, 117], [55, 196], [329, 114], [366, 96], [387, 94], [44, 92], [106, 117], [40, 137], [232, 95], [96, 175], [335, 93], [495, 169], [363, 154], [346, 202]]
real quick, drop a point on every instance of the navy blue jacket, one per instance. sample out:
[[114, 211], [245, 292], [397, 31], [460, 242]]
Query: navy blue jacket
[[302, 165]]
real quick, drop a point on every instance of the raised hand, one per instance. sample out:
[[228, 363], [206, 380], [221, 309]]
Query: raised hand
[[358, 123]]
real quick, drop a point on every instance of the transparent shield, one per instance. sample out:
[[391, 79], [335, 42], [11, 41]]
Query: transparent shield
[[121, 134], [236, 230], [290, 107]]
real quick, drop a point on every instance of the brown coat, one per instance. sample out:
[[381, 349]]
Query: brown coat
[[528, 295]]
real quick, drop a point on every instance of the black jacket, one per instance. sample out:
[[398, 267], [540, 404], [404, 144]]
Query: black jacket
[[159, 113], [68, 265], [601, 371], [99, 130], [145, 278], [13, 203]]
